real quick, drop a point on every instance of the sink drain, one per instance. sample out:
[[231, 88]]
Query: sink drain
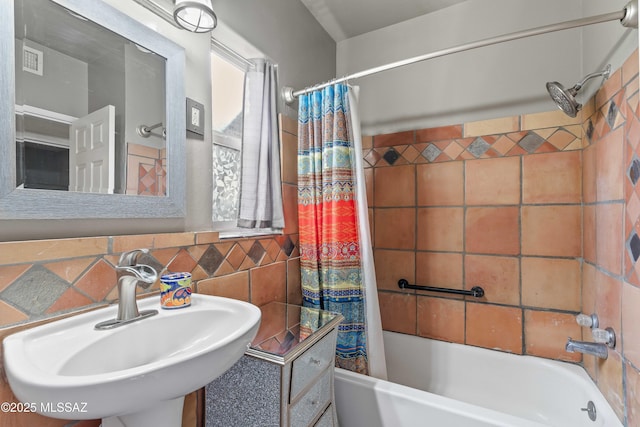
[[590, 410]]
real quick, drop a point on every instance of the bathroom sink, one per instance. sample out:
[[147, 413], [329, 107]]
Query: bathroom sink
[[67, 369]]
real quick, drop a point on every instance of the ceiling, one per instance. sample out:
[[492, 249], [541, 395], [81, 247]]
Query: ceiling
[[344, 19]]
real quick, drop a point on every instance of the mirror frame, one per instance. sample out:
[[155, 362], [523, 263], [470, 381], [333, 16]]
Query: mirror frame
[[53, 204]]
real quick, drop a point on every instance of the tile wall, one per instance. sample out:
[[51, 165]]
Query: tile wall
[[146, 170], [44, 279], [541, 210]]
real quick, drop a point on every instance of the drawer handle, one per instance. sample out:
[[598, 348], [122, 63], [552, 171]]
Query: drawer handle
[[316, 362]]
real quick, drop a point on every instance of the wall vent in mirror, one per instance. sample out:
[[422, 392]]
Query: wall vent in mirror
[[106, 74], [32, 60]]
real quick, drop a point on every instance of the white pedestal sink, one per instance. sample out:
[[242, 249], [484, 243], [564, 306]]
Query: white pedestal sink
[[135, 375]]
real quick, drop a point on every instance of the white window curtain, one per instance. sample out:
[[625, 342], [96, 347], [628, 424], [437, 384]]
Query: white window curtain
[[260, 187]]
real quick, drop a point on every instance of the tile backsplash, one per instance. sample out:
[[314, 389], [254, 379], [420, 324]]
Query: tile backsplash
[[542, 210], [44, 279]]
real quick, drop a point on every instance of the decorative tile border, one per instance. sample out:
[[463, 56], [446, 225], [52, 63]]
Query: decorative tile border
[[41, 288], [421, 146]]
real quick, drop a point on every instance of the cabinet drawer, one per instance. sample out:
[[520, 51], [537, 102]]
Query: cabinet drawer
[[311, 363], [326, 420], [312, 403]]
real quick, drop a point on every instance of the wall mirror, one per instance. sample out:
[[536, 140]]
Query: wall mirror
[[91, 114]]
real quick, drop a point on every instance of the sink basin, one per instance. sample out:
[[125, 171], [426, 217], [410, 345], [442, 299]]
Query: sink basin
[[133, 369]]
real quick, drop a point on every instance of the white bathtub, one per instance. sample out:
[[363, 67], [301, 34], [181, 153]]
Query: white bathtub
[[433, 383]]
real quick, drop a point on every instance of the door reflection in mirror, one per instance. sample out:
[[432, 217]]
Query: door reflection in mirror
[[68, 70]]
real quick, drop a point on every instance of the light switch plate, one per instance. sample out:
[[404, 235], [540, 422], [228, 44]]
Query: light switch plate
[[195, 117]]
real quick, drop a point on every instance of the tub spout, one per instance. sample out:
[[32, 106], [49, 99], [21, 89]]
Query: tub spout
[[595, 349]]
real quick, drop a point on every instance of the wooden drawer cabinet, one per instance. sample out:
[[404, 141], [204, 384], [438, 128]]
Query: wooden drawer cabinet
[[285, 378]]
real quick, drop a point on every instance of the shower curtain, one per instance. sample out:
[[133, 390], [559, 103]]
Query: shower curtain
[[335, 249]]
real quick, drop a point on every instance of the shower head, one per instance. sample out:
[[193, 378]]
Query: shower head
[[565, 99]]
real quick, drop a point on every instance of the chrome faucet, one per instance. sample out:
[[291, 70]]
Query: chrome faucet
[[605, 339], [593, 348], [130, 275]]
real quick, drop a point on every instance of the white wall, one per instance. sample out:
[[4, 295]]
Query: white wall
[[606, 43], [495, 81], [283, 29]]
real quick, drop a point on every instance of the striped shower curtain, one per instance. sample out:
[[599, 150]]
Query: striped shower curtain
[[329, 246]]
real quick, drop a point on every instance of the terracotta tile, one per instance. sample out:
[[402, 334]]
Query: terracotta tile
[[71, 298], [10, 273], [492, 230], [398, 312], [589, 284], [552, 230], [610, 166], [368, 178], [439, 133], [395, 186], [493, 126], [49, 250], [294, 289], [552, 178], [367, 141], [171, 240], [182, 262], [630, 67], [88, 423], [207, 237], [395, 228], [441, 319], [498, 276], [131, 242], [609, 236], [164, 256], [453, 150], [289, 158], [392, 266], [548, 119], [589, 233], [610, 382], [608, 304], [440, 229], [494, 327], [224, 269], [234, 286], [493, 181], [633, 394], [561, 139], [290, 205], [98, 280], [389, 139], [9, 314], [546, 334], [288, 124], [268, 283], [503, 145], [71, 269], [439, 269], [630, 333], [551, 283], [440, 184]]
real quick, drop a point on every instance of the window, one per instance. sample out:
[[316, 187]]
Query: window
[[227, 87], [228, 71]]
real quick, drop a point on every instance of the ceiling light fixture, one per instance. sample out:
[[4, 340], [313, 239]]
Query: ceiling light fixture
[[195, 15]]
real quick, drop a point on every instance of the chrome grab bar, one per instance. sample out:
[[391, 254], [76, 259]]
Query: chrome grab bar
[[476, 291]]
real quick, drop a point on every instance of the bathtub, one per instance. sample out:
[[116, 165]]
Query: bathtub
[[438, 384]]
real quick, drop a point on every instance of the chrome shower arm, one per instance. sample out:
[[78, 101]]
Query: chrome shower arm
[[604, 73]]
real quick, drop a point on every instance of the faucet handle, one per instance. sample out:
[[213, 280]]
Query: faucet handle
[[605, 336], [586, 320], [130, 258]]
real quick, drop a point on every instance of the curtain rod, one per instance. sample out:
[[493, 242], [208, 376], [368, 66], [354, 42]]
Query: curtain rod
[[628, 18]]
